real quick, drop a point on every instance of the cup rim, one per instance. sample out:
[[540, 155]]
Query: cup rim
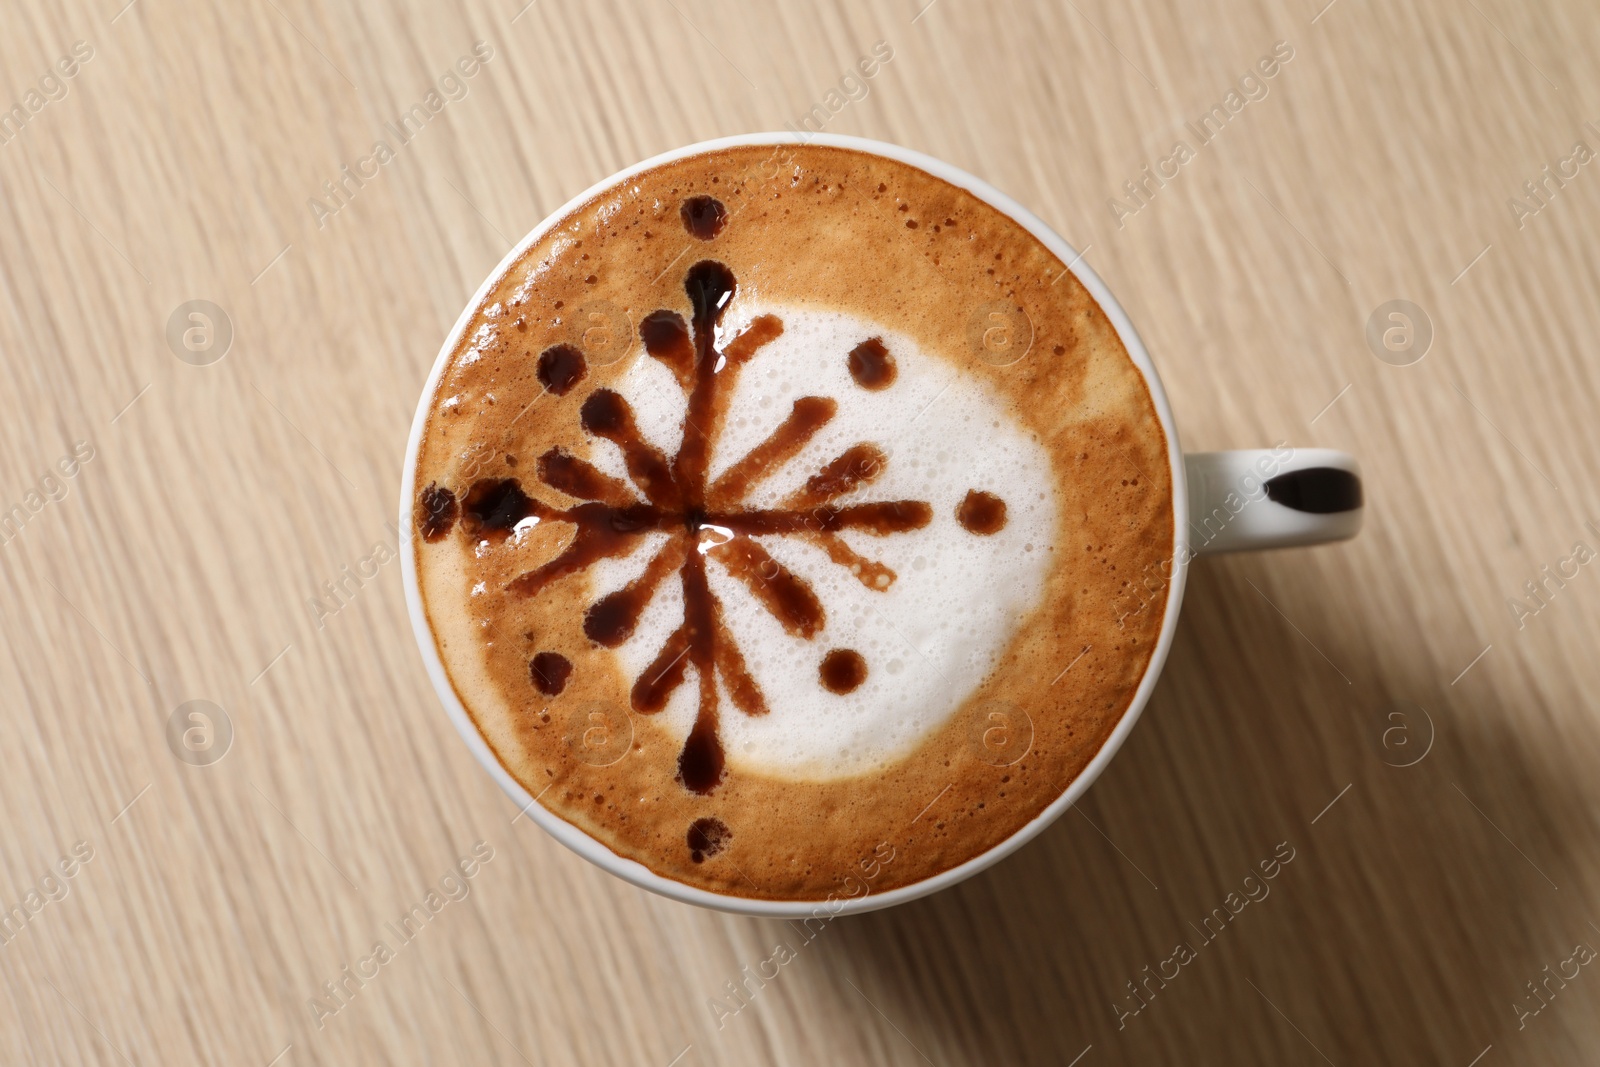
[[637, 873]]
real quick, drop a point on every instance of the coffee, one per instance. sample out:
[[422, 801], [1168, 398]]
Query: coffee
[[780, 510]]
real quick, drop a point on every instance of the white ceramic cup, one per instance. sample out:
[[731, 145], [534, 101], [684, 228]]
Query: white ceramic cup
[[1221, 502]]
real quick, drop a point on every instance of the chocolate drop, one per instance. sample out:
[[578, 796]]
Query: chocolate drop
[[550, 671], [981, 513], [843, 670], [703, 216], [560, 368], [871, 365], [436, 512]]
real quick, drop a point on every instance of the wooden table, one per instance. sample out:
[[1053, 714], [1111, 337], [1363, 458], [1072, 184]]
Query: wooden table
[[213, 503]]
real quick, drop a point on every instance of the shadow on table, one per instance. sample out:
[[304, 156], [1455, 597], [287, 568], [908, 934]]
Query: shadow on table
[[1396, 933]]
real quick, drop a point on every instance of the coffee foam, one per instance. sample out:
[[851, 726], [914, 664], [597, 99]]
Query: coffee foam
[[842, 246], [938, 630]]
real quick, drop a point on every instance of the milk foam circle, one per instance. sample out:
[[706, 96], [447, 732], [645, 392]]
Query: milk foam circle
[[936, 631]]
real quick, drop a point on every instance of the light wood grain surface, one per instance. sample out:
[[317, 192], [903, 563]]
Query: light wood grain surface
[[179, 561]]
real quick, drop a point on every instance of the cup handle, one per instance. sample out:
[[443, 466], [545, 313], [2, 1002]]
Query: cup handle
[[1271, 498]]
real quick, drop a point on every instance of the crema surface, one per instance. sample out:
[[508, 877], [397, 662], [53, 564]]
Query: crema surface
[[778, 505]]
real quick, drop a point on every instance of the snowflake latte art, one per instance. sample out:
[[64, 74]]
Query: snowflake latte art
[[783, 510]]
